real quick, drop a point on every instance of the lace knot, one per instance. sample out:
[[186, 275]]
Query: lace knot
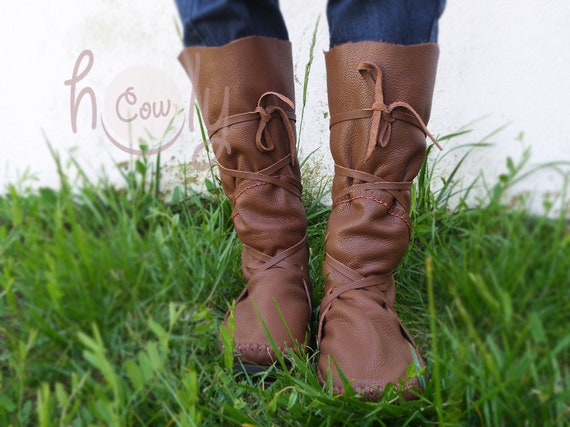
[[379, 106], [263, 114], [263, 139], [386, 116], [382, 118]]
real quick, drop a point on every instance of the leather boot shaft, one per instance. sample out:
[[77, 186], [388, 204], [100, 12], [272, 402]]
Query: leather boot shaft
[[245, 90], [379, 100], [407, 73]]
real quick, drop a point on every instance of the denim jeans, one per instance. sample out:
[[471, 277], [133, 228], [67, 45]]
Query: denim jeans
[[217, 22]]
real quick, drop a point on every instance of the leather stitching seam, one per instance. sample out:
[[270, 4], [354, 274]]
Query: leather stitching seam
[[404, 219]]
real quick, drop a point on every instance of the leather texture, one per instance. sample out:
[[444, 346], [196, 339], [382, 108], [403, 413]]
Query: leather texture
[[380, 100], [245, 91]]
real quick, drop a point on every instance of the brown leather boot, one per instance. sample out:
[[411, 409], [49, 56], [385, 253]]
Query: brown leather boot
[[379, 100], [245, 90]]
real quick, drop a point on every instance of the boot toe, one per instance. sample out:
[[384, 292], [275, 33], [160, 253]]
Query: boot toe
[[281, 310], [370, 347]]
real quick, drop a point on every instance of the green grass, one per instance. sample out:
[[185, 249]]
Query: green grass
[[111, 302]]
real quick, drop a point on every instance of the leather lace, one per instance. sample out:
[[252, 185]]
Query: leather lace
[[264, 141], [264, 114], [371, 182], [382, 115], [278, 261], [355, 281]]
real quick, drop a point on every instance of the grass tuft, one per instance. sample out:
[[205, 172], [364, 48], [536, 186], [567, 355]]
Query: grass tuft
[[111, 303]]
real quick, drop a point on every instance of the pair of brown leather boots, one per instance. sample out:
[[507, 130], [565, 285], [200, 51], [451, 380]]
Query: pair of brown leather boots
[[379, 100]]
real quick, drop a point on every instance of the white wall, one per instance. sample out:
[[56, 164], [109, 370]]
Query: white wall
[[503, 62]]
